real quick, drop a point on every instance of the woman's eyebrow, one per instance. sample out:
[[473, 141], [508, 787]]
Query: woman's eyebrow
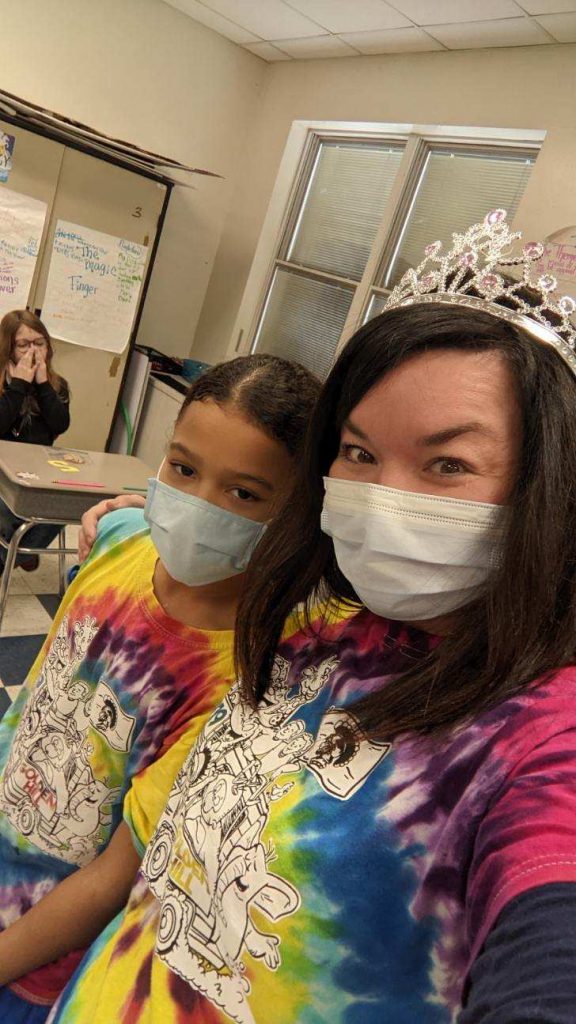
[[442, 436], [349, 425]]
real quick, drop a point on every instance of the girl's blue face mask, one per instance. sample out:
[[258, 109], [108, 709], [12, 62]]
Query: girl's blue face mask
[[198, 542]]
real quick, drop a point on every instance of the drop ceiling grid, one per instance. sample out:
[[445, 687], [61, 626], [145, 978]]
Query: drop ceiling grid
[[308, 29]]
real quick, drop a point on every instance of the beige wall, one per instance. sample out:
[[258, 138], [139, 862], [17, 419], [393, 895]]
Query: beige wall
[[141, 70], [528, 87]]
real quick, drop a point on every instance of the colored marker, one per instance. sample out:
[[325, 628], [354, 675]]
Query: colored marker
[[76, 483], [136, 490]]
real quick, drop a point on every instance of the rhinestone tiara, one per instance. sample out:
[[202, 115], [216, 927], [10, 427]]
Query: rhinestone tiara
[[449, 276]]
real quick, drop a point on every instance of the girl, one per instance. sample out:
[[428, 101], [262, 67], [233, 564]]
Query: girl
[[34, 407], [140, 649], [378, 823]]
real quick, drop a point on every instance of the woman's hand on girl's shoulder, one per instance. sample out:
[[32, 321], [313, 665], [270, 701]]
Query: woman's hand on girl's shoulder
[[91, 518]]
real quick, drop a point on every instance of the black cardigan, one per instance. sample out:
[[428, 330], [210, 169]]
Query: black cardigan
[[41, 427]]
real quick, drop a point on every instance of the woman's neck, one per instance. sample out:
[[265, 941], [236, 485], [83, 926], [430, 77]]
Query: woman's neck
[[211, 607]]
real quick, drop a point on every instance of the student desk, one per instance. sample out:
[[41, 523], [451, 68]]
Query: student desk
[[57, 486]]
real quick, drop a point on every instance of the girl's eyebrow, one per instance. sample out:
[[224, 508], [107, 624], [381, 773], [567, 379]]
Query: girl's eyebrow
[[176, 446]]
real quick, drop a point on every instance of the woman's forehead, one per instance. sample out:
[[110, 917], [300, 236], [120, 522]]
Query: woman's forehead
[[428, 392]]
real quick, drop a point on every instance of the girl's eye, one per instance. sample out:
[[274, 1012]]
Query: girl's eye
[[449, 467], [354, 453], [244, 495], [182, 470]]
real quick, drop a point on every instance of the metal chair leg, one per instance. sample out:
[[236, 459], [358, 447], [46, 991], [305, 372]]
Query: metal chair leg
[[10, 563], [62, 560]]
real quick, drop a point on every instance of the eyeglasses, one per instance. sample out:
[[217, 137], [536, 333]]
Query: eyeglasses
[[23, 346]]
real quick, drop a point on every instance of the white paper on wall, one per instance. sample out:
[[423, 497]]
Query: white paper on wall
[[21, 225], [94, 282]]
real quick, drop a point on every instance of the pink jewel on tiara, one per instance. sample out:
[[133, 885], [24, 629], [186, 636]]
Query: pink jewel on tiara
[[468, 259], [547, 283], [427, 283], [490, 281], [433, 248], [567, 304], [533, 250], [495, 217]]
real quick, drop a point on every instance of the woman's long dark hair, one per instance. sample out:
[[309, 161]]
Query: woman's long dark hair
[[524, 624]]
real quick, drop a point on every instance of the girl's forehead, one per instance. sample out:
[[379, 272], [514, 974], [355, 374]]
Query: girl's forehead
[[28, 334]]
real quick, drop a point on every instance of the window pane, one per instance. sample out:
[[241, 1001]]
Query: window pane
[[303, 320], [343, 206], [456, 190], [375, 306]]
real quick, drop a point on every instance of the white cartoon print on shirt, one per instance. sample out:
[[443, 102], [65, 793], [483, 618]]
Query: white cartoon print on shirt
[[208, 862], [49, 791]]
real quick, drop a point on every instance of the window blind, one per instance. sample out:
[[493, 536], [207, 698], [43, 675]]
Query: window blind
[[343, 206], [454, 191], [303, 319]]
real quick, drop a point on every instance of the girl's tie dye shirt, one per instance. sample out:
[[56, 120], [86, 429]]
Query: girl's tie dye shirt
[[116, 683], [302, 874]]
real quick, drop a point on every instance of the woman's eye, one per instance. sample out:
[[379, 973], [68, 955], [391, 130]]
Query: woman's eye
[[182, 470], [354, 453], [244, 495], [449, 467]]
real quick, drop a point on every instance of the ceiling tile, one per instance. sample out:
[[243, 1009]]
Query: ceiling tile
[[268, 19], [398, 40], [317, 46], [508, 32], [342, 16], [548, 6], [267, 51], [450, 12], [214, 21], [561, 26]]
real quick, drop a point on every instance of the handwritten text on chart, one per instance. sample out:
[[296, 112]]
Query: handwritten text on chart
[[21, 225], [93, 286]]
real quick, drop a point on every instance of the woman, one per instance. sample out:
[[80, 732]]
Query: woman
[[379, 821], [34, 407]]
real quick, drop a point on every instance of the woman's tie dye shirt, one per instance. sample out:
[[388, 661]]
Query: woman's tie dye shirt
[[115, 684], [301, 875]]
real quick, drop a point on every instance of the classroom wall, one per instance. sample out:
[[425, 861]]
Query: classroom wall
[[143, 71], [523, 87]]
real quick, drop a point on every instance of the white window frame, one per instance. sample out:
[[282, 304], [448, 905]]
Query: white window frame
[[303, 139]]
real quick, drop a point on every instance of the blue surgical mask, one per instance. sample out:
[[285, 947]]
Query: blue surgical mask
[[198, 542]]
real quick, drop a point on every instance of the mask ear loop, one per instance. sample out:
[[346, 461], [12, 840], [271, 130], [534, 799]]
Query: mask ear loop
[[160, 469]]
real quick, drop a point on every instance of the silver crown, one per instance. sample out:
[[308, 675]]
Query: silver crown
[[448, 276]]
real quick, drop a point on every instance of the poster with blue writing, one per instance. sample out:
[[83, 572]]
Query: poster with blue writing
[[94, 282], [21, 226]]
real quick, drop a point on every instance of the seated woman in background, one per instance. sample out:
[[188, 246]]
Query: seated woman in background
[[34, 407]]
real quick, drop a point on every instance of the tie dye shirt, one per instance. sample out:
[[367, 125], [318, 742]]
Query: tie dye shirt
[[115, 684], [301, 874]]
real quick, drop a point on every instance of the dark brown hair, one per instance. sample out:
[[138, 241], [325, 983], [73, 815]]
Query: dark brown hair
[[524, 623], [274, 394]]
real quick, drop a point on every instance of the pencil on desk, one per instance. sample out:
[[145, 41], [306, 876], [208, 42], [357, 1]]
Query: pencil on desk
[[136, 490], [76, 483]]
